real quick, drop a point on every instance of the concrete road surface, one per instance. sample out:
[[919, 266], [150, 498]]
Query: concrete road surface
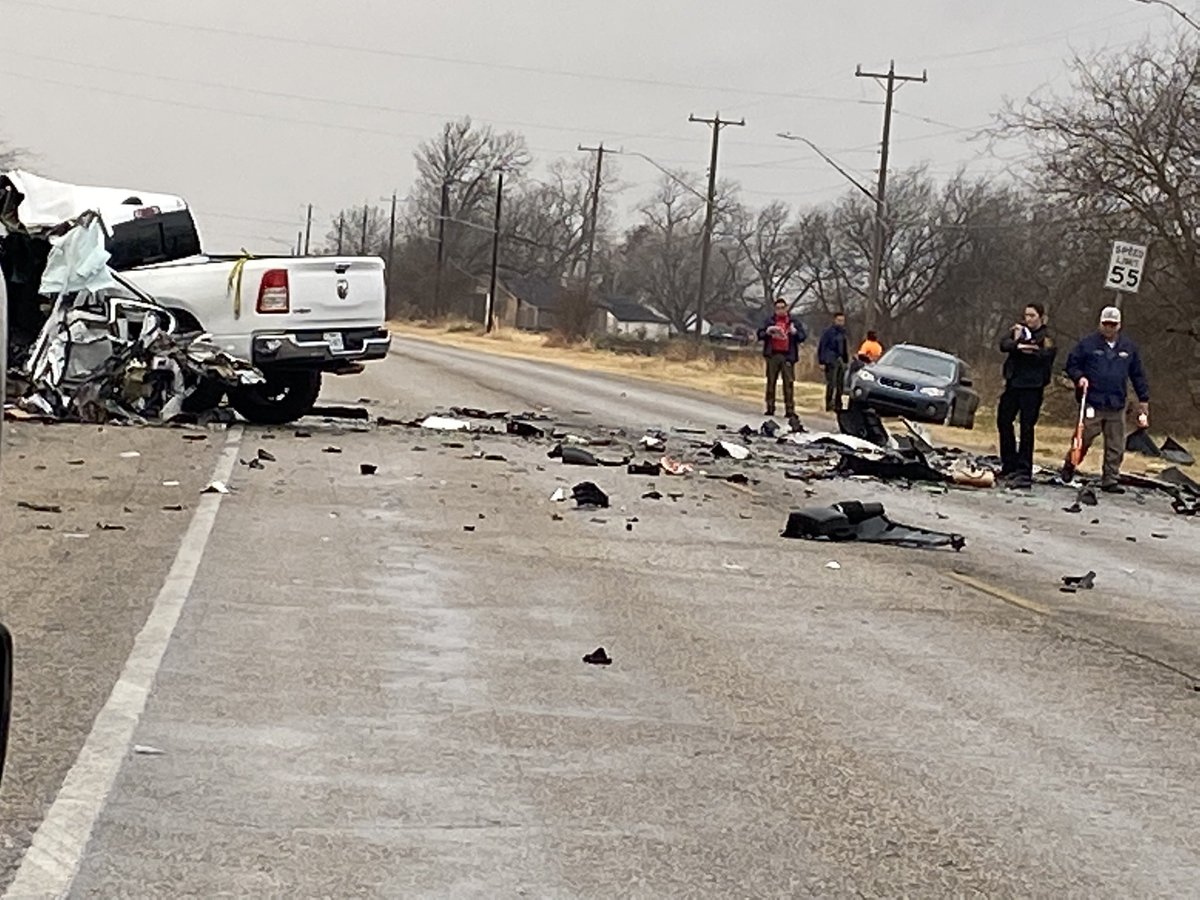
[[346, 685]]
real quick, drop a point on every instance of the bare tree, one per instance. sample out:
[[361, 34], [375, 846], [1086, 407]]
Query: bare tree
[[350, 224], [771, 248]]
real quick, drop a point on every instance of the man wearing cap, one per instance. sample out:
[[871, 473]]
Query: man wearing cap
[[1103, 365]]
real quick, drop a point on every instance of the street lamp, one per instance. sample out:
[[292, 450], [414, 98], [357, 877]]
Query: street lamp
[[877, 237], [1175, 9]]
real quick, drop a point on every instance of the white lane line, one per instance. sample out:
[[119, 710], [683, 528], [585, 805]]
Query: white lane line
[[49, 866]]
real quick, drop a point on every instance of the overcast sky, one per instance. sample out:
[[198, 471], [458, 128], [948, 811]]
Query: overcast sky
[[253, 108]]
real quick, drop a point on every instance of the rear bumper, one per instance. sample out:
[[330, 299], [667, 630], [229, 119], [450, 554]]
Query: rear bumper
[[901, 403], [318, 348]]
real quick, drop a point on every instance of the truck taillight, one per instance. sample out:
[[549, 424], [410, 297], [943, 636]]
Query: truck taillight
[[273, 292]]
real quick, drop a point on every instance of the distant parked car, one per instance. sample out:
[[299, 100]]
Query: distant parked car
[[918, 383]]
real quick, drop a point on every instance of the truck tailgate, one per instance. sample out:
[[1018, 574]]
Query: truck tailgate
[[336, 292]]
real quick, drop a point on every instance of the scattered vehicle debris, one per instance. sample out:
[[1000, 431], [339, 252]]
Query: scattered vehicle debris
[[1175, 452], [215, 487], [340, 412], [147, 750], [733, 451], [890, 465], [673, 466], [598, 658], [524, 429], [367, 469], [574, 456], [1139, 441], [39, 507], [1087, 496], [854, 520], [833, 564], [655, 443], [331, 449], [444, 423], [1073, 583], [652, 495], [645, 468], [588, 495], [266, 455]]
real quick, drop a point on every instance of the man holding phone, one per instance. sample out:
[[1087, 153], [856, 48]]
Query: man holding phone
[[782, 334], [1029, 361]]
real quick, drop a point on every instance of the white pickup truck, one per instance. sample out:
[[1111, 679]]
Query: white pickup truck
[[294, 318]]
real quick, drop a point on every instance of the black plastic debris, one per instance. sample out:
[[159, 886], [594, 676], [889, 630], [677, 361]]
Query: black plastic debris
[[332, 450], [644, 468], [652, 495], [575, 456], [769, 428], [726, 449], [598, 658], [252, 463], [471, 412], [1087, 496], [339, 412], [892, 465], [368, 469], [854, 520], [587, 494], [301, 433], [1073, 583], [1139, 442], [1175, 452], [266, 455], [862, 422], [39, 507], [1073, 508], [524, 429], [746, 431], [495, 457], [468, 528], [109, 526]]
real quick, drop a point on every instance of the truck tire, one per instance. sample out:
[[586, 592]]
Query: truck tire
[[287, 395]]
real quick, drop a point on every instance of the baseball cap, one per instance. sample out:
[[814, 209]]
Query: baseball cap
[[1110, 314]]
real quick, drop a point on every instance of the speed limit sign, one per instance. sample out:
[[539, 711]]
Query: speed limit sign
[[1125, 267]]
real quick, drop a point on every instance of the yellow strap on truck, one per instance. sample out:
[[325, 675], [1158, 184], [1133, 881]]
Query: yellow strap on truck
[[234, 285]]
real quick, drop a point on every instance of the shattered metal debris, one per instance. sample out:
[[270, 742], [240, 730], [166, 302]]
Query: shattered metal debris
[[367, 469], [44, 527], [332, 449], [524, 429], [301, 433], [645, 468], [598, 658], [108, 526], [856, 521], [266, 455], [559, 495], [215, 487], [656, 443], [39, 507], [588, 495], [1073, 583]]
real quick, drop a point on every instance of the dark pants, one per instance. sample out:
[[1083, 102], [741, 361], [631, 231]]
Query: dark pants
[[1110, 423], [778, 366], [835, 375], [1014, 402]]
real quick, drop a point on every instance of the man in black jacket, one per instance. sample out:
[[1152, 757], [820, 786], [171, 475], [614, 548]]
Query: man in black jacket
[[1027, 368]]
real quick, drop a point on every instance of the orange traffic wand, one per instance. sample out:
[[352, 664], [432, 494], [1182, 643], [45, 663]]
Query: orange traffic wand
[[1075, 457]]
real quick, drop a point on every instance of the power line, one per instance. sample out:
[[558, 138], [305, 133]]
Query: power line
[[403, 54]]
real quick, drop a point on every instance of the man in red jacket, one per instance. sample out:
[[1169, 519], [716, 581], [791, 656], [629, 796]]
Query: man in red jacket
[[781, 334]]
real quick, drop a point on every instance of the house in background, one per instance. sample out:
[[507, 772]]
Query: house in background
[[538, 301], [627, 317]]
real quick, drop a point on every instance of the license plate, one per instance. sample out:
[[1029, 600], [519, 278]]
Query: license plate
[[334, 340]]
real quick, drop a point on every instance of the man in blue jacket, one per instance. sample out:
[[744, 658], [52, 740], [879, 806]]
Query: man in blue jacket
[[833, 353], [782, 334], [1103, 365]]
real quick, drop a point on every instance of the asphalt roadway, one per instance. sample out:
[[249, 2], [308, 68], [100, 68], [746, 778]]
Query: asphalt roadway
[[329, 684]]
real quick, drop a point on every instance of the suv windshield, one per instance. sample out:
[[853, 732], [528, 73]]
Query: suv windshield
[[918, 361]]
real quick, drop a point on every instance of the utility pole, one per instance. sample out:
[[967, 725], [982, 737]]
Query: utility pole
[[308, 230], [391, 258], [716, 123], [362, 244], [441, 245], [881, 188], [595, 212], [341, 230], [299, 241], [490, 317]]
